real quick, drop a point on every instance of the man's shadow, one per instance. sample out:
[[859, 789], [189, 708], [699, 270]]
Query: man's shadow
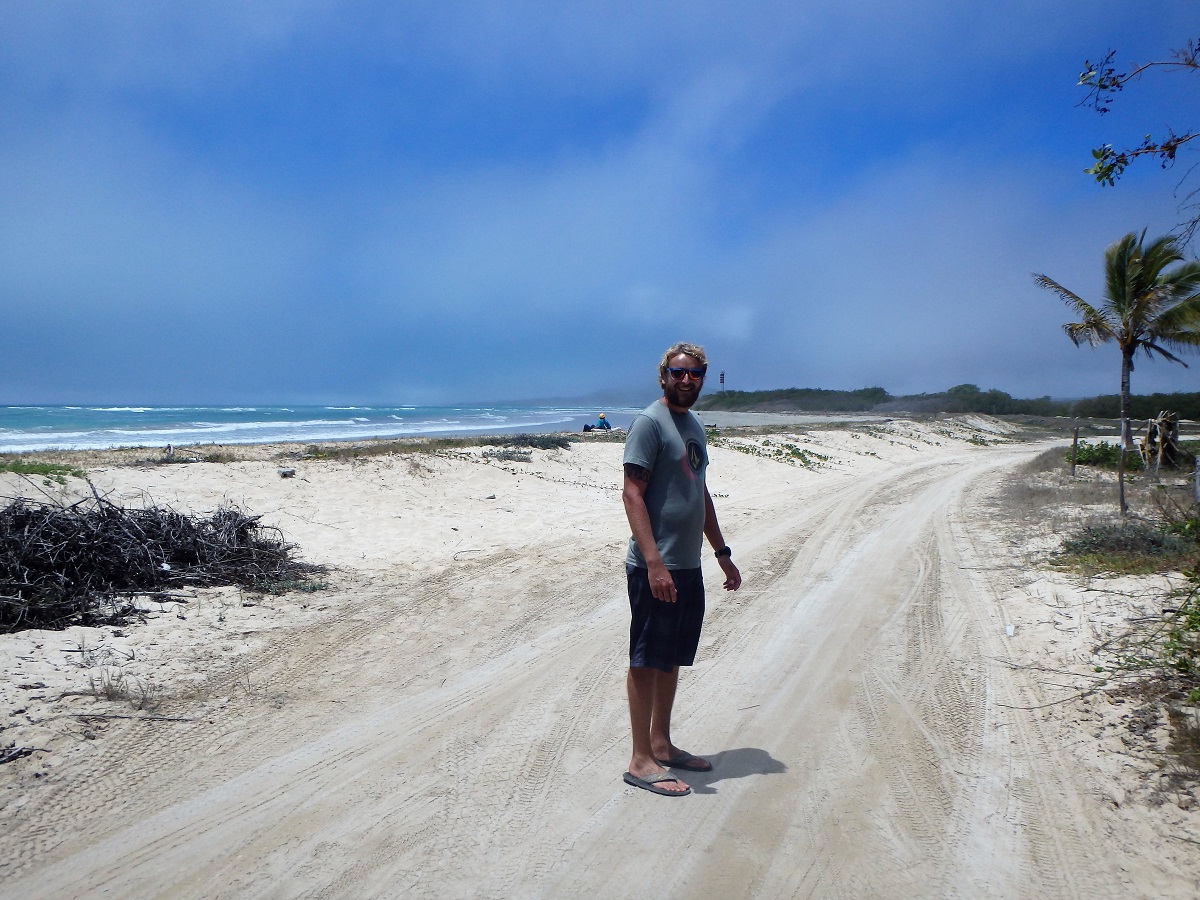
[[727, 764]]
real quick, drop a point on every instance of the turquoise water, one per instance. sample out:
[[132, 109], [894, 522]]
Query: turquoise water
[[26, 428]]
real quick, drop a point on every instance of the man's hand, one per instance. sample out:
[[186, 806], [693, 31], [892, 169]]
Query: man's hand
[[733, 578], [662, 585]]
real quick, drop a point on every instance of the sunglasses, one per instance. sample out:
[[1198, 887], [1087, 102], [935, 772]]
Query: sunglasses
[[677, 372]]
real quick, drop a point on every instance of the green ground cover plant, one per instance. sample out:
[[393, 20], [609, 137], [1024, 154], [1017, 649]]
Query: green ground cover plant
[[293, 585], [778, 450], [48, 471]]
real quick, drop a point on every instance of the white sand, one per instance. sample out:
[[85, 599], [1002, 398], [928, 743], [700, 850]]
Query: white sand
[[449, 720]]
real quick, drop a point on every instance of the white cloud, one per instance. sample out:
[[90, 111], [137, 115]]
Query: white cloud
[[912, 271], [94, 213]]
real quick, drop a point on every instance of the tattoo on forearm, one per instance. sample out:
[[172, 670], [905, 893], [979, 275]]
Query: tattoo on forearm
[[637, 473]]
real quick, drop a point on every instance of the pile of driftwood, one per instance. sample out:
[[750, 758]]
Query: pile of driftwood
[[85, 563]]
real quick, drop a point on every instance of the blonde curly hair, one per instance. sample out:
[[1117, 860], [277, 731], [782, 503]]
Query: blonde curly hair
[[693, 350]]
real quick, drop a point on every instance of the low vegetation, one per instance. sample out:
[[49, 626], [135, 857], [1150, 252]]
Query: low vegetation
[[1102, 454], [534, 441], [293, 585], [1157, 661], [774, 449], [1155, 658], [47, 471], [431, 445], [509, 454], [1108, 456], [1127, 548]]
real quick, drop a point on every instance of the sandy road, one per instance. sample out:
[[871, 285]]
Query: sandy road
[[464, 734]]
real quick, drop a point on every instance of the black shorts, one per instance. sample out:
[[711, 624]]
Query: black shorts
[[664, 635]]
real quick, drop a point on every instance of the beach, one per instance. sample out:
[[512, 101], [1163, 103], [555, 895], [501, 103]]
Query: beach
[[889, 701]]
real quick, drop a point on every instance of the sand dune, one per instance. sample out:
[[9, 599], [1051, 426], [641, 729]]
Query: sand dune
[[448, 719]]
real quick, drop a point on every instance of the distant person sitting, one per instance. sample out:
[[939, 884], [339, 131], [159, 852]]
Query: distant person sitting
[[601, 425]]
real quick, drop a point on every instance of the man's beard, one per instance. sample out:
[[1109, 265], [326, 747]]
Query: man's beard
[[674, 398]]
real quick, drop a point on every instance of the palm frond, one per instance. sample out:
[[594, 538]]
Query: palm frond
[[1183, 281], [1173, 311], [1151, 349], [1086, 310], [1180, 341], [1088, 333], [1161, 253], [1180, 320], [1119, 258]]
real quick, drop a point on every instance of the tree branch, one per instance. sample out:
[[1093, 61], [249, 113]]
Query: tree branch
[[1110, 163], [1103, 79]]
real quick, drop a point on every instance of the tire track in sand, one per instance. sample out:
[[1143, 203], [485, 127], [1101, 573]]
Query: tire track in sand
[[147, 761], [848, 688], [865, 676]]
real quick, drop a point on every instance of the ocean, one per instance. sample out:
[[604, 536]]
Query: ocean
[[27, 428]]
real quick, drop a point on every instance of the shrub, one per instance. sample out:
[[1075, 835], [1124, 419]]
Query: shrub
[[1126, 547], [1188, 529], [1103, 454], [509, 454], [1124, 537], [537, 441], [1182, 647]]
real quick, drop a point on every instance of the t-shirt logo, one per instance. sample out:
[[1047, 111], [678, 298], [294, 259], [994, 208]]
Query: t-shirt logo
[[694, 455]]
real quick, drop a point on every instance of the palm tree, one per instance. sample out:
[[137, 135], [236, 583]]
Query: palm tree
[[1145, 307]]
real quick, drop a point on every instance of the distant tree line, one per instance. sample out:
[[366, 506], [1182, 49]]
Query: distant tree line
[[862, 400], [1109, 406], [963, 398]]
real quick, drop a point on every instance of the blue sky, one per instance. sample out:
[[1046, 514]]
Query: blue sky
[[424, 202]]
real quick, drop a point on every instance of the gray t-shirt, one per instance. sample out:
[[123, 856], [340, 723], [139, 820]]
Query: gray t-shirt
[[671, 447]]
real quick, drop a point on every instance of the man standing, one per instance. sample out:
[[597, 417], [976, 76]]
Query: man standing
[[670, 513]]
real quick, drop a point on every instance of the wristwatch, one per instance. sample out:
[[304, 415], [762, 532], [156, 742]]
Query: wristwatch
[[724, 551]]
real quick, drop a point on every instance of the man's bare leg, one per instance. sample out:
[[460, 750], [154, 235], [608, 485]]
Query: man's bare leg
[[642, 685], [661, 744], [665, 686]]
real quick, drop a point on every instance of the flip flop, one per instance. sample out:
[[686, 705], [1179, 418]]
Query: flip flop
[[650, 782], [687, 762]]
